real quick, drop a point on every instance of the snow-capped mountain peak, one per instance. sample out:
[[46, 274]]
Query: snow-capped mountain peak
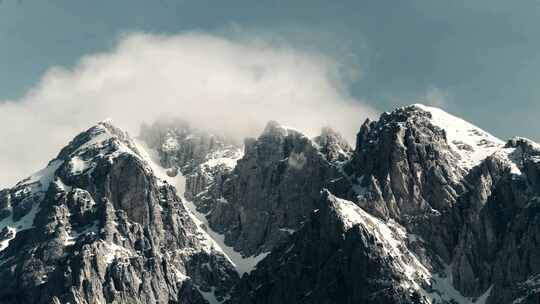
[[99, 206], [471, 143], [102, 135]]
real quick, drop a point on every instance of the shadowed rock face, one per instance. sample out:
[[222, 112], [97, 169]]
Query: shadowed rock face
[[333, 258], [97, 226], [273, 188], [499, 244]]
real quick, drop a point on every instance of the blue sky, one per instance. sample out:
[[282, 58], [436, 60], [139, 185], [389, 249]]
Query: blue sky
[[478, 59]]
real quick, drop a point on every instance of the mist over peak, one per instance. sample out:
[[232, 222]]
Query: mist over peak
[[227, 86]]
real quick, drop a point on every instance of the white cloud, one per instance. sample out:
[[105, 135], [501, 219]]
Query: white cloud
[[436, 97], [217, 82]]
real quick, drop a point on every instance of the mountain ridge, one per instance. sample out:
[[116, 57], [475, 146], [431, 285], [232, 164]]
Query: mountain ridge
[[429, 213]]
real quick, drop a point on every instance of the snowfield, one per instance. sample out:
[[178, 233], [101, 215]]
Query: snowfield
[[471, 143]]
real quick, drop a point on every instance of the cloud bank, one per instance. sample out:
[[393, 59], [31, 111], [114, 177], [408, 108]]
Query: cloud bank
[[223, 84]]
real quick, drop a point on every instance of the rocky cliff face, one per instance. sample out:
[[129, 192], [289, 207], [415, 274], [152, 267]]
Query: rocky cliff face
[[412, 161], [498, 245], [274, 187], [341, 255], [411, 165], [97, 226]]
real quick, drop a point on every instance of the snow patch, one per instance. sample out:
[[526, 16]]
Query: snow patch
[[180, 277], [60, 184], [78, 165], [40, 181], [115, 251], [24, 223], [531, 285], [471, 143], [210, 296], [512, 157], [443, 290], [72, 236], [31, 187], [171, 143], [242, 264], [151, 158], [287, 230], [97, 140], [229, 162], [5, 243]]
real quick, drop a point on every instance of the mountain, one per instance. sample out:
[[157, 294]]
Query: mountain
[[426, 208], [459, 205], [97, 226]]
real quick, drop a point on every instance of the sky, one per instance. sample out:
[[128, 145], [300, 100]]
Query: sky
[[476, 59]]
